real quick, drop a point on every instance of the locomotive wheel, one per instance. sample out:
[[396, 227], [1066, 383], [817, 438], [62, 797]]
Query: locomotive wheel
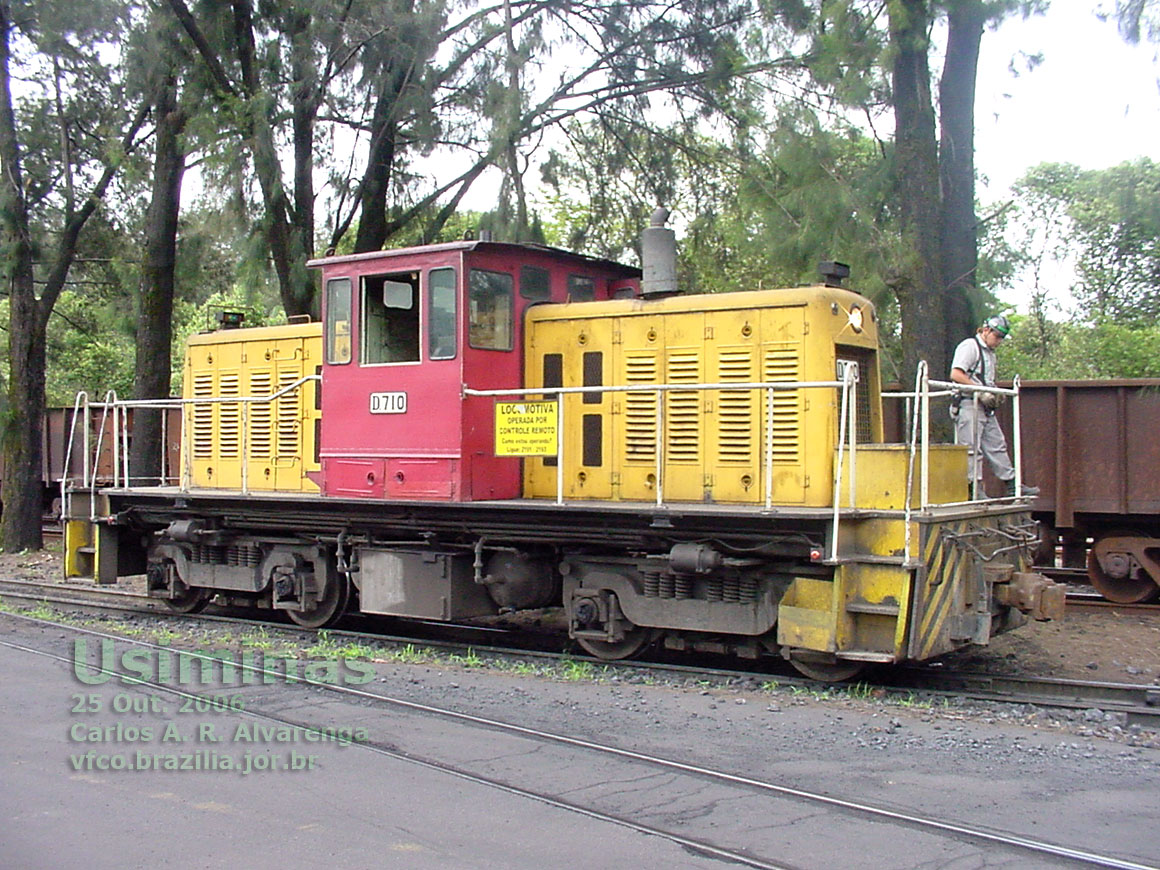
[[825, 671], [1121, 590], [192, 600], [329, 608], [634, 640]]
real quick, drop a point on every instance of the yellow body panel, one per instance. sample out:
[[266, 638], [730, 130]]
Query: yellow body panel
[[881, 475], [269, 443], [807, 615], [714, 443]]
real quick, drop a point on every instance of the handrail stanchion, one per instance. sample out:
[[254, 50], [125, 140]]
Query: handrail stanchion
[[1017, 433], [244, 446], [560, 449], [769, 448], [924, 486], [660, 447], [186, 458], [853, 441], [125, 444], [66, 469], [164, 467], [920, 380], [116, 442], [838, 465], [87, 438]]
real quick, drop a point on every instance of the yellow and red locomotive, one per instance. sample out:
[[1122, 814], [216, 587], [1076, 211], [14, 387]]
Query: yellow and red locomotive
[[479, 427]]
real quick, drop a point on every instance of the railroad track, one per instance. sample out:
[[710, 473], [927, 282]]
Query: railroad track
[[714, 801], [1139, 704]]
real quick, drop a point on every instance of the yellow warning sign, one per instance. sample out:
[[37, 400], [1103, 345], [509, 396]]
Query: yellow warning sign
[[526, 428]]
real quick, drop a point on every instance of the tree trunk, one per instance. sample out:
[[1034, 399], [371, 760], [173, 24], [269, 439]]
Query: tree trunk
[[23, 459], [960, 244], [375, 187], [155, 312], [305, 110], [919, 286], [288, 246]]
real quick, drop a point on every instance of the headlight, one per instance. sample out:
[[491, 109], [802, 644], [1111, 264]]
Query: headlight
[[855, 318]]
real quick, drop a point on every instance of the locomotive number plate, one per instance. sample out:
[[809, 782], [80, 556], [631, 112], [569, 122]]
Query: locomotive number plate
[[388, 403]]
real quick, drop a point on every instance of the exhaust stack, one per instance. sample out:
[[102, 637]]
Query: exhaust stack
[[658, 254]]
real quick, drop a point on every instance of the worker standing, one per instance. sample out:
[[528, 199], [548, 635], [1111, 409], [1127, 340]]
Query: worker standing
[[975, 363]]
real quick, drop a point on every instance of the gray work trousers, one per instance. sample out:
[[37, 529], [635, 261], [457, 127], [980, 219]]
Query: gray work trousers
[[980, 428]]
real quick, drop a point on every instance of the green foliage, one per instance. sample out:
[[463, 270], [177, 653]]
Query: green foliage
[[751, 212], [1106, 223], [1039, 349]]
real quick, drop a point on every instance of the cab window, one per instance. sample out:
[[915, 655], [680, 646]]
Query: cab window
[[491, 300], [581, 288], [535, 283], [390, 318], [441, 330], [338, 321]]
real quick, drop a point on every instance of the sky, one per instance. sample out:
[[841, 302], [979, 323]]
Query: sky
[[1093, 101]]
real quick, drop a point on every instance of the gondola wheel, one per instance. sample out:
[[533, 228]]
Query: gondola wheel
[[824, 671], [192, 600], [1120, 589], [635, 639], [329, 609]]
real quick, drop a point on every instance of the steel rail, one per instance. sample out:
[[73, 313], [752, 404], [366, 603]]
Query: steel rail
[[1140, 703], [692, 843], [868, 810]]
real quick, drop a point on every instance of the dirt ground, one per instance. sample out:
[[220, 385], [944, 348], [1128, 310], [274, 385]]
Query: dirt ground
[[1090, 643]]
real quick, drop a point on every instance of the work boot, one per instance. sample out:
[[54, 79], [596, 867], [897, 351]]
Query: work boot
[[1028, 491]]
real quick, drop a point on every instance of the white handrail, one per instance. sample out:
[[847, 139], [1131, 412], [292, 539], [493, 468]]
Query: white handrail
[[80, 402], [120, 410]]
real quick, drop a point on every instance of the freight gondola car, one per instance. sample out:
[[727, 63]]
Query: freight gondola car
[[58, 462], [1095, 455], [483, 427], [1091, 447]]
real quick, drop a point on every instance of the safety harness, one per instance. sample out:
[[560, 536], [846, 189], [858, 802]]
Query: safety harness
[[980, 365]]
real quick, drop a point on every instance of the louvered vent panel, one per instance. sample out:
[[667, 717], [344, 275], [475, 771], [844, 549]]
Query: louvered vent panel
[[203, 416], [288, 414], [782, 364], [735, 408], [640, 409], [261, 435], [683, 410], [229, 416]]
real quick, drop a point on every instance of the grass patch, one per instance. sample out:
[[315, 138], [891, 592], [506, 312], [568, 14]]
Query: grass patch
[[328, 648], [470, 659], [257, 638], [408, 655], [573, 671], [43, 610]]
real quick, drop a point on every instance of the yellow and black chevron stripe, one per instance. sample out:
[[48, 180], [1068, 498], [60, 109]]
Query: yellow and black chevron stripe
[[953, 555]]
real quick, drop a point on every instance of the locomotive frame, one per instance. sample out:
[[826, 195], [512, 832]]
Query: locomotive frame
[[726, 488]]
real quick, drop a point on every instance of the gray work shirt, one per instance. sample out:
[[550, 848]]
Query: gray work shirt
[[977, 360]]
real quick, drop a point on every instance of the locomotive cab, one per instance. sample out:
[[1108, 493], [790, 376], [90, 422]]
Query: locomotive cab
[[404, 332]]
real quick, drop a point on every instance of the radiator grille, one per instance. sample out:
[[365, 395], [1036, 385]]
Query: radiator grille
[[735, 408], [683, 409], [203, 416], [260, 429], [640, 409], [865, 359], [781, 364], [229, 416], [288, 414]]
